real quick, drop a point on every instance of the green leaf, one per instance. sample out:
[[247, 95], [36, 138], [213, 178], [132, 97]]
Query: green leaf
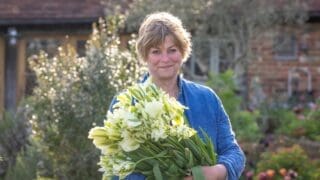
[[173, 169], [156, 171], [204, 152], [147, 173], [210, 148], [176, 143], [189, 157], [180, 158], [136, 94], [197, 173], [196, 150], [154, 89]]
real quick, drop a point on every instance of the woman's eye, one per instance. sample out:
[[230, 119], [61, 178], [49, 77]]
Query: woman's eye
[[172, 50], [155, 51]]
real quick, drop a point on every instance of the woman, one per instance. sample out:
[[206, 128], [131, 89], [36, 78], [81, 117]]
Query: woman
[[164, 44]]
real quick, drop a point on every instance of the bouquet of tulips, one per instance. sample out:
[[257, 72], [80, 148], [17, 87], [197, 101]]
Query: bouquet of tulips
[[146, 132]]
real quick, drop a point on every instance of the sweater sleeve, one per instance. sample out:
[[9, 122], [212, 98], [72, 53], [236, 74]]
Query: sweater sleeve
[[228, 150]]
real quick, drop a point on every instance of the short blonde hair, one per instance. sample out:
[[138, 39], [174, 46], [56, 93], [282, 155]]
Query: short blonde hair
[[156, 27]]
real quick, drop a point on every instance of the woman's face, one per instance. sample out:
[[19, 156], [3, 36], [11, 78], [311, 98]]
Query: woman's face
[[164, 61]]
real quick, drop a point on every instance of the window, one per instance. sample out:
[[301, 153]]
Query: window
[[285, 47], [49, 45], [209, 56]]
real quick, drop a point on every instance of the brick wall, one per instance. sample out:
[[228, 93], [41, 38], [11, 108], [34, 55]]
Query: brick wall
[[273, 73]]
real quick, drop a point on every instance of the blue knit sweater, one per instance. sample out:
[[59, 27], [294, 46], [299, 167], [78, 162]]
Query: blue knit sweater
[[206, 111]]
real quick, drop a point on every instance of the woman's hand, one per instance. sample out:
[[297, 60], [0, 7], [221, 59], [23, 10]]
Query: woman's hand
[[216, 172]]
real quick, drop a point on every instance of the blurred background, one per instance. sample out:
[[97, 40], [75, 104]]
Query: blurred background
[[61, 62]]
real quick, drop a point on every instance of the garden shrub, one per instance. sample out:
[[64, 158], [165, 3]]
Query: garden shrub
[[73, 94], [274, 117], [13, 136], [286, 161], [26, 164], [303, 124]]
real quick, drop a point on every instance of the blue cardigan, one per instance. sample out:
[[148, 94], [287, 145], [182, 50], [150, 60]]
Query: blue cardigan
[[206, 111]]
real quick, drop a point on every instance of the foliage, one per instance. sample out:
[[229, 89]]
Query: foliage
[[73, 94], [58, 114], [305, 124], [285, 159], [243, 122], [26, 165], [236, 22], [13, 136], [294, 122], [275, 117]]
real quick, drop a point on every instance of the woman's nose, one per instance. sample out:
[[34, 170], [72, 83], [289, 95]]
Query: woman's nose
[[165, 57]]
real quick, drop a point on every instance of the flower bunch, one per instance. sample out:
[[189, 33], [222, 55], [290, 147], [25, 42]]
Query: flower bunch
[[146, 132]]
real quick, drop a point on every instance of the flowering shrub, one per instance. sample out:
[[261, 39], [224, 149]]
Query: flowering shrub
[[73, 95], [286, 162]]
